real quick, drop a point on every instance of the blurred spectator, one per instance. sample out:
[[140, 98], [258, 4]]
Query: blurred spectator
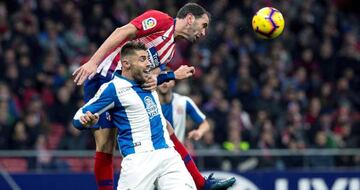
[[19, 138], [63, 109], [267, 101], [76, 40], [267, 140], [44, 158], [74, 139], [322, 141]]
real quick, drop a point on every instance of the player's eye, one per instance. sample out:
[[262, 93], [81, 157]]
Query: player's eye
[[142, 58]]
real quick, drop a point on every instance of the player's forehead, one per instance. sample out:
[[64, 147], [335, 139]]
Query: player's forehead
[[141, 53]]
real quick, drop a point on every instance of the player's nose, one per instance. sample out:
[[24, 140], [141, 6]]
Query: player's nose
[[147, 64]]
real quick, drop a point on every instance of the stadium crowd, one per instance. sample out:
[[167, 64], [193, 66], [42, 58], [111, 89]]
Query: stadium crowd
[[299, 91]]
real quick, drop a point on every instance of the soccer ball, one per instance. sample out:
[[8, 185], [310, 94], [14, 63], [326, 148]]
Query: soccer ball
[[268, 23]]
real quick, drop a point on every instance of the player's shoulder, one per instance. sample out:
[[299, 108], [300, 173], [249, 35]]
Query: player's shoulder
[[157, 14], [157, 18], [121, 82], [179, 98], [176, 95]]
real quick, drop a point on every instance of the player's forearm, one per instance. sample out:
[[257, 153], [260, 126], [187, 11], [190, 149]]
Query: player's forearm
[[117, 36], [165, 77], [204, 127], [86, 110]]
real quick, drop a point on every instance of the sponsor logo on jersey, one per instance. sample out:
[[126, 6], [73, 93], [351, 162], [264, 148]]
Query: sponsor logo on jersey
[[149, 23], [123, 90], [151, 107]]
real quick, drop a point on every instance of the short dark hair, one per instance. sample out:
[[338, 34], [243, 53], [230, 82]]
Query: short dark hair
[[130, 47], [193, 8]]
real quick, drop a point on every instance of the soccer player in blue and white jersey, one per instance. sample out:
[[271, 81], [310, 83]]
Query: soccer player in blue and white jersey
[[149, 157], [176, 108]]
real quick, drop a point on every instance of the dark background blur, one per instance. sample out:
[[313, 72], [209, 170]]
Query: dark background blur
[[295, 92]]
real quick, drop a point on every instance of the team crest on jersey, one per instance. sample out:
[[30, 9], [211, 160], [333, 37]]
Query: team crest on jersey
[[150, 107], [149, 23]]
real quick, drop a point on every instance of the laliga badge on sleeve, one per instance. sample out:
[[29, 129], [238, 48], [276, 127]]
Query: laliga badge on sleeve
[[149, 23]]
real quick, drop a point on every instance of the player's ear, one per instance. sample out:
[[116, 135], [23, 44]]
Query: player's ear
[[125, 63], [190, 18]]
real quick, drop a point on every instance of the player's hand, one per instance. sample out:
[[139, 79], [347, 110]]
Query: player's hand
[[195, 134], [150, 83], [86, 71], [89, 119], [184, 72]]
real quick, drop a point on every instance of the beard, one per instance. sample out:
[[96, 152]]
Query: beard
[[138, 74]]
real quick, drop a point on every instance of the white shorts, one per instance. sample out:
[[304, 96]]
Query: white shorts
[[162, 168]]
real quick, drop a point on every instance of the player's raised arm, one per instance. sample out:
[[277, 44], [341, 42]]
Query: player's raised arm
[[117, 36], [104, 100]]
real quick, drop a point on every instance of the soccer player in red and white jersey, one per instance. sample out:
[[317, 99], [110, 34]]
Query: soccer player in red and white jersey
[[157, 31]]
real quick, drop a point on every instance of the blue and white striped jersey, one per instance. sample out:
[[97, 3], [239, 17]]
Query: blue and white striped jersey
[[135, 112], [177, 110]]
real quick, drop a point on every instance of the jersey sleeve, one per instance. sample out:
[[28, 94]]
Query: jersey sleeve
[[103, 100], [194, 112], [150, 22]]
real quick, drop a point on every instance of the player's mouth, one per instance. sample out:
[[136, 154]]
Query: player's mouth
[[147, 71]]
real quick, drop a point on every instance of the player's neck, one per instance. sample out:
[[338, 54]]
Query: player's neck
[[127, 75], [165, 98], [168, 97]]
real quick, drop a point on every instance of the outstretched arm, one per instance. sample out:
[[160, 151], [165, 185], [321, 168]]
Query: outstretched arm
[[199, 118], [117, 36], [88, 115], [198, 133]]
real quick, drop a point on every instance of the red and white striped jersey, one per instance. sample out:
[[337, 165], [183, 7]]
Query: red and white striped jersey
[[156, 31]]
